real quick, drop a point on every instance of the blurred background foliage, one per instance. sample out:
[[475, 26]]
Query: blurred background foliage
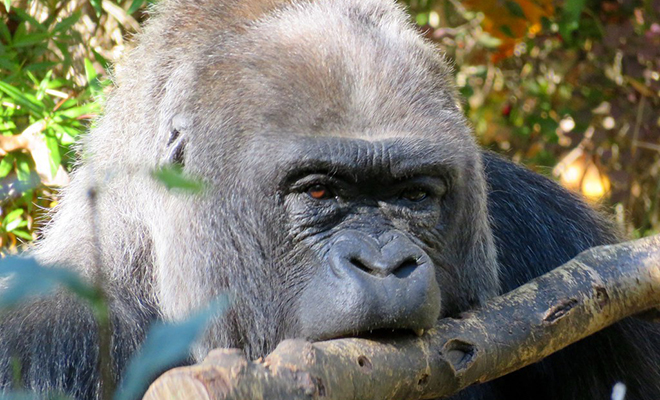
[[570, 88]]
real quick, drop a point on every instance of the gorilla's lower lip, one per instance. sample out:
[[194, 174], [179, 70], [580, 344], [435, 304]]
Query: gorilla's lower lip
[[380, 334]]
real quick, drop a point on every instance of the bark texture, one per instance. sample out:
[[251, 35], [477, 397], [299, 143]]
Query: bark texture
[[594, 290]]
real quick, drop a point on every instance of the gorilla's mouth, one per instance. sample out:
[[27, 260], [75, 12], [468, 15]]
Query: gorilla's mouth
[[386, 334], [377, 334]]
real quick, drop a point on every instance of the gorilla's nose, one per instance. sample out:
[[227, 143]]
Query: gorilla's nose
[[391, 254]]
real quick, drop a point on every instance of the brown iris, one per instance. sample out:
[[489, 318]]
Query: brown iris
[[415, 194], [319, 192]]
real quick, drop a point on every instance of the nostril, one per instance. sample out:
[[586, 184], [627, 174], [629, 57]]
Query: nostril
[[402, 270], [405, 268], [360, 265]]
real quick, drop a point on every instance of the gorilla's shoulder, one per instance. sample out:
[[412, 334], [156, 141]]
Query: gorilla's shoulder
[[537, 224]]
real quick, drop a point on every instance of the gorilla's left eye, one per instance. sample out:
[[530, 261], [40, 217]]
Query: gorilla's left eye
[[319, 192], [414, 194]]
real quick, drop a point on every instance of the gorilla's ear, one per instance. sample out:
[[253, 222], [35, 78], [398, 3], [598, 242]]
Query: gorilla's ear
[[176, 142]]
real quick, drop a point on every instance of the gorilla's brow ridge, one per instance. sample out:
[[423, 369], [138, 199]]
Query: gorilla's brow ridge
[[354, 159]]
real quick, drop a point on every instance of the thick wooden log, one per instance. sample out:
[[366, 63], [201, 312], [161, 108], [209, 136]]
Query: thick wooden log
[[596, 289]]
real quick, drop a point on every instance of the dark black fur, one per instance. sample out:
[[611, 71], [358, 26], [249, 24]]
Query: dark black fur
[[538, 226], [257, 98]]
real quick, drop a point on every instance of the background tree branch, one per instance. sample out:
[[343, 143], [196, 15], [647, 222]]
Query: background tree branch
[[596, 289]]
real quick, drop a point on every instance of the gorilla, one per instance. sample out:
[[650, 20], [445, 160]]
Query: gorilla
[[343, 193]]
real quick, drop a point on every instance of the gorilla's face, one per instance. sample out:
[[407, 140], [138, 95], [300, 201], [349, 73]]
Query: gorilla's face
[[364, 218], [362, 230], [346, 191]]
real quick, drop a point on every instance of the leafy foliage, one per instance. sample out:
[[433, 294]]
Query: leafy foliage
[[548, 83], [47, 99], [570, 88]]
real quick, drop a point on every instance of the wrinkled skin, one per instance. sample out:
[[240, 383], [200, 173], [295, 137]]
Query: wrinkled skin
[[344, 193]]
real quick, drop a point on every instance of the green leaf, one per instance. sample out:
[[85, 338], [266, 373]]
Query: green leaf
[[90, 71], [571, 17], [40, 66], [135, 5], [101, 60], [7, 5], [13, 225], [75, 112], [172, 177], [4, 30], [20, 30], [515, 9], [23, 168], [22, 234], [506, 30], [32, 39], [55, 158], [64, 48], [43, 85], [29, 278], [6, 165], [573, 9], [21, 98], [67, 22], [27, 17], [98, 6], [66, 135], [166, 344], [14, 215], [92, 78]]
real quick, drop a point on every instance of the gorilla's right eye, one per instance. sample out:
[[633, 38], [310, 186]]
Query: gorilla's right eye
[[319, 192]]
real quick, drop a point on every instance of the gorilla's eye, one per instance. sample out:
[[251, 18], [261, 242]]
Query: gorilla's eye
[[319, 192], [414, 194]]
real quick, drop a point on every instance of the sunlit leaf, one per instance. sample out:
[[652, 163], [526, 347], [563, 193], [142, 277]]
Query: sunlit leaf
[[21, 98], [54, 151], [43, 85], [173, 178], [12, 216], [14, 224], [22, 234], [23, 168], [75, 112], [6, 165], [98, 6], [67, 22], [166, 346], [101, 60], [92, 78]]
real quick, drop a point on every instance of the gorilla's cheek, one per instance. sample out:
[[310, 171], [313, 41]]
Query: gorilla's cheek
[[367, 283]]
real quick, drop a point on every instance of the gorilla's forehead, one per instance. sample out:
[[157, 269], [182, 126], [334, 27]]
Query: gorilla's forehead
[[353, 158], [318, 67]]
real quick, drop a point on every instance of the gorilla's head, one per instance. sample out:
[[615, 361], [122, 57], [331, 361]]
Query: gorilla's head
[[344, 192]]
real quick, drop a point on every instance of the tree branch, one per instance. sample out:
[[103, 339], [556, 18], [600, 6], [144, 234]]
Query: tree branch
[[596, 289]]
